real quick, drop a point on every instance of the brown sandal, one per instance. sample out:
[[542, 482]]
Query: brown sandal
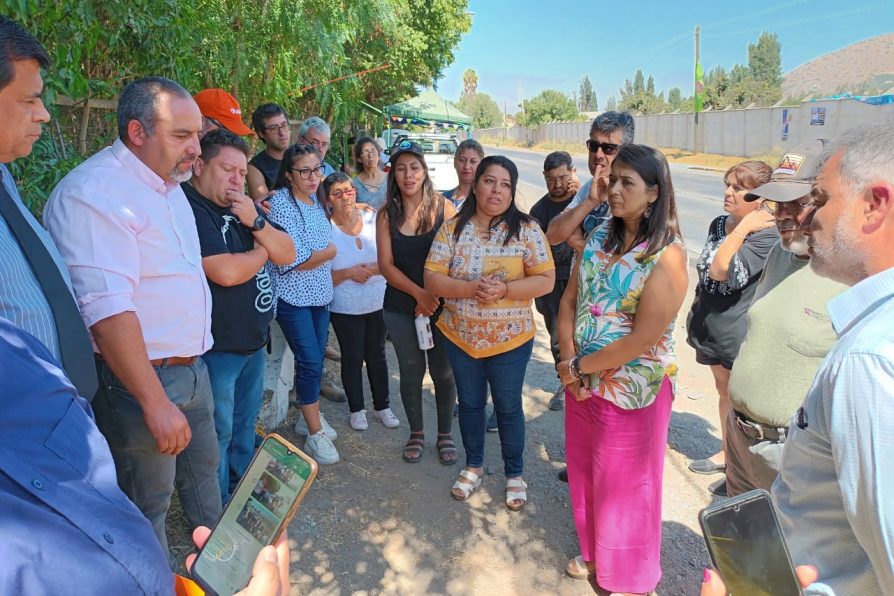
[[446, 449], [413, 449]]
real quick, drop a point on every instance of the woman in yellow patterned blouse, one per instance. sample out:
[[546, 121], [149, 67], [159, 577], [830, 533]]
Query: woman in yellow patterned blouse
[[615, 326], [489, 262]]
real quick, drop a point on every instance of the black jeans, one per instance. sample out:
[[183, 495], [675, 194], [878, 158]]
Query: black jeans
[[548, 306], [362, 338], [411, 360]]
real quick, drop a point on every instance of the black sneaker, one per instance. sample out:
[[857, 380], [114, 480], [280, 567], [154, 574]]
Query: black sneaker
[[563, 475], [492, 423]]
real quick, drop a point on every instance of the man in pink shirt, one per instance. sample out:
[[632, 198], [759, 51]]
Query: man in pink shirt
[[128, 236]]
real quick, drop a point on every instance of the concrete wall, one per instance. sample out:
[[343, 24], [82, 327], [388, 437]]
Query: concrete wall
[[744, 133]]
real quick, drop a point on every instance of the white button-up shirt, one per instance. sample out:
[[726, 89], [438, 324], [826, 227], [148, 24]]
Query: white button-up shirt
[[130, 243], [835, 490]]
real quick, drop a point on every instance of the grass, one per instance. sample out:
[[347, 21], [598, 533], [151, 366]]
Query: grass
[[683, 156]]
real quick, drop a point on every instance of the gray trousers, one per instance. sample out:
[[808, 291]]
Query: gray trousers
[[750, 463], [146, 476]]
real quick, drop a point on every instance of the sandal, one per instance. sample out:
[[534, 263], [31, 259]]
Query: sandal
[[577, 568], [446, 449], [413, 449], [515, 491], [466, 488]]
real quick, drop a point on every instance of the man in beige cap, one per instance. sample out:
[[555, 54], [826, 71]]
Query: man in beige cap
[[789, 333], [220, 110]]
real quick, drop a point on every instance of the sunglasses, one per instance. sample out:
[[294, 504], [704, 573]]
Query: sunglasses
[[607, 148]]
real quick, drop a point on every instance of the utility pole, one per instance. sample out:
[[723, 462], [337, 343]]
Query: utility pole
[[695, 94]]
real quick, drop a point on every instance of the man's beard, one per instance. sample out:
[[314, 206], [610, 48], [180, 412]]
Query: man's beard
[[179, 176], [839, 258], [797, 245]]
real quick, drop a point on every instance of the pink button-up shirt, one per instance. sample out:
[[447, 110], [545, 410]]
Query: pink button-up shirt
[[130, 243]]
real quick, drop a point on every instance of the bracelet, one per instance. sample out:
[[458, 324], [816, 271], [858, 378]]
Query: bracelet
[[506, 295], [574, 368]]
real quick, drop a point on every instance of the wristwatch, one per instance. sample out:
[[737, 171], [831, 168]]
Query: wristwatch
[[259, 224]]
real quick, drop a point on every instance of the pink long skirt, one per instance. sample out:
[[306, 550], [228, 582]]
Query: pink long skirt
[[615, 465]]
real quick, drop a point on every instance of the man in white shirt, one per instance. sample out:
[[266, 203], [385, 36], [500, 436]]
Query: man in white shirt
[[128, 236]]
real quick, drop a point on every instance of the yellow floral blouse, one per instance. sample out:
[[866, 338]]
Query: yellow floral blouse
[[483, 330], [607, 300]]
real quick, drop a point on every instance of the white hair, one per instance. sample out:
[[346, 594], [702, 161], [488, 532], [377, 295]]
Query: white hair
[[316, 123], [867, 154]]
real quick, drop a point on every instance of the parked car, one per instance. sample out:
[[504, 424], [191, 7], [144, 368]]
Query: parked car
[[439, 151]]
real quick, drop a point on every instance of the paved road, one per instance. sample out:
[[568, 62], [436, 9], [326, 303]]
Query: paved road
[[699, 192]]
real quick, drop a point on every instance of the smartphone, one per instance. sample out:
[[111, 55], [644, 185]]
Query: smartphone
[[747, 547], [262, 505]]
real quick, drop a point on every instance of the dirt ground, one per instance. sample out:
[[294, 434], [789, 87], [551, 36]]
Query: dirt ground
[[373, 524]]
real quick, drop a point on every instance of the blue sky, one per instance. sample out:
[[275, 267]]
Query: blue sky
[[521, 47]]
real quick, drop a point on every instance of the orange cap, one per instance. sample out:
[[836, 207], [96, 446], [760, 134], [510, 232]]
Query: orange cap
[[219, 105]]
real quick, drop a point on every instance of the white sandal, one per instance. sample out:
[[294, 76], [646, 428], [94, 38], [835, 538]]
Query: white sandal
[[467, 488], [515, 491]]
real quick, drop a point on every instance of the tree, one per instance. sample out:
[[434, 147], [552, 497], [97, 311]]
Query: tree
[[675, 99], [764, 59], [639, 96], [482, 108], [588, 101], [470, 83], [548, 106], [612, 104]]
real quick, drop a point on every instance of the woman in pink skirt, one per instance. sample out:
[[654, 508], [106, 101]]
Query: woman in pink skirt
[[616, 335]]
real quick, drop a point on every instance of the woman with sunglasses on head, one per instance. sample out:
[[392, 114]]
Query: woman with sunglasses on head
[[356, 309], [304, 289], [370, 181], [728, 268], [405, 228], [489, 263], [468, 155], [616, 323]]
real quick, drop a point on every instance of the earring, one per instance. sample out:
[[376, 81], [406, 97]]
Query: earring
[[648, 212]]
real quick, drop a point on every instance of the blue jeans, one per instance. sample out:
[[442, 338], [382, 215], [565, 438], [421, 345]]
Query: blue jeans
[[237, 383], [146, 476], [306, 329], [505, 373]]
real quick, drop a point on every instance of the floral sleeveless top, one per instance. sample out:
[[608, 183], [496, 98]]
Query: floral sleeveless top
[[607, 299]]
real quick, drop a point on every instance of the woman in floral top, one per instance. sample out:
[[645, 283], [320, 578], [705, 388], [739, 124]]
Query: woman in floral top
[[728, 269], [616, 324], [489, 263]]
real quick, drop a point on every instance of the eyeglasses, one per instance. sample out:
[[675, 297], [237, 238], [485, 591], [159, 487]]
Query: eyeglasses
[[607, 148], [369, 153], [277, 127], [305, 173], [346, 192]]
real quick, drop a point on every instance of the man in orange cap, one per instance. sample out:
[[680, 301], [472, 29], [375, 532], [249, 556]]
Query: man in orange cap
[[220, 110]]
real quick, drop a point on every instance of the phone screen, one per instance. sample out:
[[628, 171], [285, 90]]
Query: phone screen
[[253, 517], [749, 551]]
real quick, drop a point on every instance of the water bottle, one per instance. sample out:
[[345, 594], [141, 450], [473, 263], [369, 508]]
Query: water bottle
[[423, 333]]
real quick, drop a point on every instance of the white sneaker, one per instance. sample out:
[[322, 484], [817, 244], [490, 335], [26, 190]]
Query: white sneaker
[[320, 447], [387, 418], [301, 427], [358, 420]]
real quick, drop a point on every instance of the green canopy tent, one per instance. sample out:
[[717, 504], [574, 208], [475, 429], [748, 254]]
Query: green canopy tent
[[427, 108]]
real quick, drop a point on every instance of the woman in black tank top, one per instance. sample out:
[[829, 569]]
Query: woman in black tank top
[[405, 228]]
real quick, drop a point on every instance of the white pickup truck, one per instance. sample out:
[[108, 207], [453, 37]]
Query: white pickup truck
[[439, 151]]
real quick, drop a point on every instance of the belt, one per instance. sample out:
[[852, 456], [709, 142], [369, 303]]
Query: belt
[[164, 362], [760, 432]]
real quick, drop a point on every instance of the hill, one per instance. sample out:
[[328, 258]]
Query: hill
[[866, 68]]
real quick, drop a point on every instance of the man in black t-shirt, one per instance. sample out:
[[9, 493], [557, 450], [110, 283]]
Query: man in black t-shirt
[[237, 242], [271, 123], [558, 171]]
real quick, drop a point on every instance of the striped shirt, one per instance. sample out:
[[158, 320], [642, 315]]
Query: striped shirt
[[835, 490], [22, 300]]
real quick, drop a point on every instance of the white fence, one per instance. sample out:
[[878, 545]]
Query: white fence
[[743, 133]]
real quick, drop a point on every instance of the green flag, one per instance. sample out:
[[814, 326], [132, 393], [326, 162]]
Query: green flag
[[699, 88]]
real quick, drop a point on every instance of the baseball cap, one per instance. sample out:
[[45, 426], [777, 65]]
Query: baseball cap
[[406, 146], [794, 175], [219, 105]]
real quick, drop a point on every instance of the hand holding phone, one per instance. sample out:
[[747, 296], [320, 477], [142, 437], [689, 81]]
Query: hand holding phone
[[257, 514], [747, 547]]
